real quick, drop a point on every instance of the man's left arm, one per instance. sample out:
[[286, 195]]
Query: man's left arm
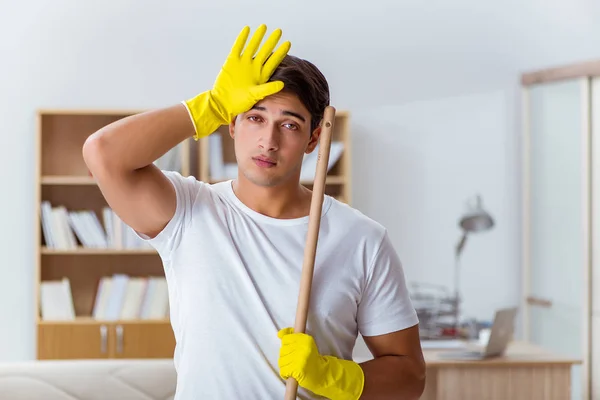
[[397, 370], [388, 323]]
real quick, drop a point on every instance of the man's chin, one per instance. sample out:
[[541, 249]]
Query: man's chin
[[263, 179]]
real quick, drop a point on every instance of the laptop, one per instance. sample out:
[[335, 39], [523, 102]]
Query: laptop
[[500, 336]]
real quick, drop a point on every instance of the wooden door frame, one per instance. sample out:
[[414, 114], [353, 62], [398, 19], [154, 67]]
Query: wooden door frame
[[562, 72], [584, 72]]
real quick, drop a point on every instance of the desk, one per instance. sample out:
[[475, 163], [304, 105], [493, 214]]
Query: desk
[[525, 372]]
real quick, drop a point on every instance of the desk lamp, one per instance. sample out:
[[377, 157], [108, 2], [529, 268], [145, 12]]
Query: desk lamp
[[475, 220]]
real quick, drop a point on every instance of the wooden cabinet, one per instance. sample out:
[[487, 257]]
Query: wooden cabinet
[[143, 340], [96, 339], [73, 341], [63, 180]]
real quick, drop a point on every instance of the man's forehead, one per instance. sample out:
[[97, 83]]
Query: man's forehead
[[283, 109]]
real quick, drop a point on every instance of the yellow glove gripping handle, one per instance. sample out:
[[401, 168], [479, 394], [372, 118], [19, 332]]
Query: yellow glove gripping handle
[[325, 375], [344, 379]]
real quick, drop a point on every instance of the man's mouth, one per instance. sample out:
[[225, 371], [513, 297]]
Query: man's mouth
[[264, 162]]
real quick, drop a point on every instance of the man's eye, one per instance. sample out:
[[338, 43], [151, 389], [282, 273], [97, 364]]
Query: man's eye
[[254, 118], [292, 126]]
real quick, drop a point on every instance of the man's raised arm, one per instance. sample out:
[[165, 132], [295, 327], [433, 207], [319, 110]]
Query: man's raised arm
[[120, 156]]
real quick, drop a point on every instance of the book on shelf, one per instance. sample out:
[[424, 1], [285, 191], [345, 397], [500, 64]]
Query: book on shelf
[[56, 300], [220, 170], [122, 297], [67, 229], [309, 163], [118, 298], [171, 160]]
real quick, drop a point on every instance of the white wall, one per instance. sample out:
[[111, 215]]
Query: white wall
[[421, 80], [428, 158], [421, 162]]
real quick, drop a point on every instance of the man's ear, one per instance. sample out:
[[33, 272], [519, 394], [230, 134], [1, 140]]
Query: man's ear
[[232, 127], [314, 139]]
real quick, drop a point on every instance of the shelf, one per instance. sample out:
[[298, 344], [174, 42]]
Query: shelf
[[86, 251], [67, 180], [92, 321]]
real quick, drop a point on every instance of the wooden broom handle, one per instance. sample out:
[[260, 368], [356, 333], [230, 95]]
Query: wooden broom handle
[[314, 222]]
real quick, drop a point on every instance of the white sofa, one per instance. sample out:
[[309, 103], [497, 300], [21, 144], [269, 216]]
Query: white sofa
[[114, 379], [148, 379]]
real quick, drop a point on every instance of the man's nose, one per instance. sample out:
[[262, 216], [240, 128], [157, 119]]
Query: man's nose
[[269, 138]]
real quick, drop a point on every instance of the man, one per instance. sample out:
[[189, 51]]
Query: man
[[233, 251]]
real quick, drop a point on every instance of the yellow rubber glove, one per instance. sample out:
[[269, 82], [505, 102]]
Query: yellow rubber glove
[[327, 376], [241, 83]]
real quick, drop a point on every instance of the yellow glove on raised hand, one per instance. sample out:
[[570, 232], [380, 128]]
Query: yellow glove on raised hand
[[327, 376], [241, 83]]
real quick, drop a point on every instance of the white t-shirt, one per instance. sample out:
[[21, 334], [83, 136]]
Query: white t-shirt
[[233, 276]]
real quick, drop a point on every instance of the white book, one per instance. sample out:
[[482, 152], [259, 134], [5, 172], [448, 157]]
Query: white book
[[134, 296], [102, 297], [116, 298], [159, 302], [97, 229], [107, 218], [309, 163], [80, 229], [46, 211], [215, 148], [116, 230], [87, 228], [56, 300], [171, 160], [148, 296], [230, 170], [63, 214], [59, 230]]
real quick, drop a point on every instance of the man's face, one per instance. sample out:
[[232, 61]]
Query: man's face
[[272, 138]]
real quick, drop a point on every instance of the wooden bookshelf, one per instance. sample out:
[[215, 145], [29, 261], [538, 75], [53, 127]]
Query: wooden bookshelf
[[62, 179]]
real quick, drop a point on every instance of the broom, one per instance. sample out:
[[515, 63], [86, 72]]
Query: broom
[[314, 222]]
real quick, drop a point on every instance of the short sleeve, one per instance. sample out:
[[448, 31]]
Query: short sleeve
[[385, 304], [187, 190]]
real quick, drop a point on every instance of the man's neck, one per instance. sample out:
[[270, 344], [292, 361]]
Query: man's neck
[[285, 201]]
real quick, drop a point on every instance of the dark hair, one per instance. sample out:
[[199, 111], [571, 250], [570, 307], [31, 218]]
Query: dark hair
[[304, 79]]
